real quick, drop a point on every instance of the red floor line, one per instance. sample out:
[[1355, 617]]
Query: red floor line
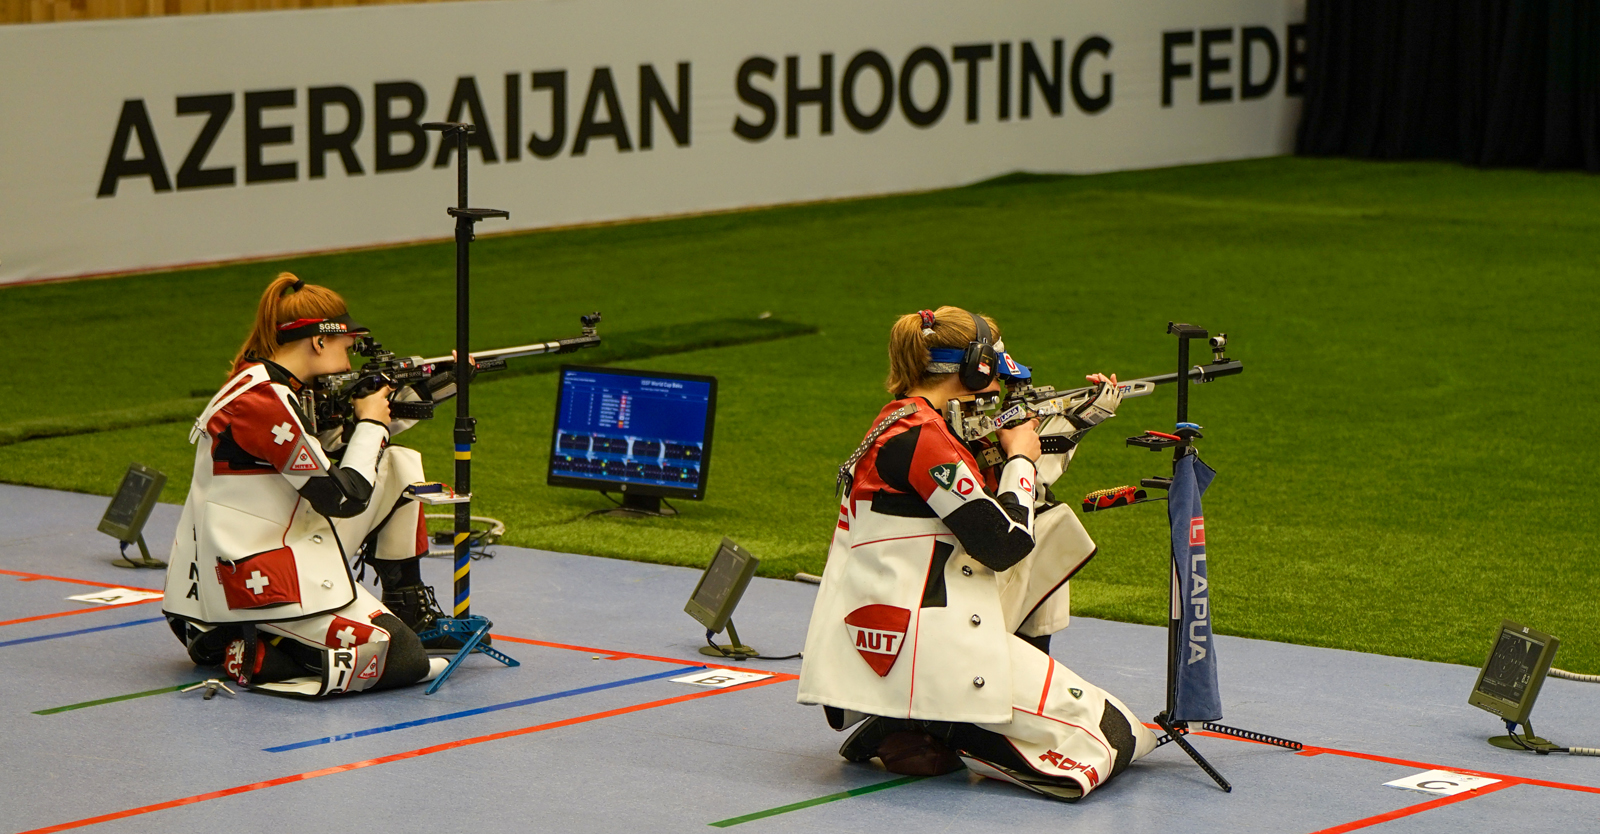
[[1415, 809], [35, 577], [1373, 757], [395, 757], [616, 655], [1504, 777], [75, 611]]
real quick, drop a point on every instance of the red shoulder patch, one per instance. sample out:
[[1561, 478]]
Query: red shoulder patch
[[262, 425]]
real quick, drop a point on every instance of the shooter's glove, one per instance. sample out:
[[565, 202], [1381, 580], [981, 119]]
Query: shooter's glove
[[1099, 409]]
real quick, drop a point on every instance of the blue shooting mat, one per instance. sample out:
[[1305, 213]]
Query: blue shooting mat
[[1196, 696]]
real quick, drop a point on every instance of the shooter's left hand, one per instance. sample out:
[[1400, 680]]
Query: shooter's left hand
[[1109, 399], [1104, 405]]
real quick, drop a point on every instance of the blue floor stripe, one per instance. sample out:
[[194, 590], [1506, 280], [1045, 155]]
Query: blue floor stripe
[[81, 631], [684, 670]]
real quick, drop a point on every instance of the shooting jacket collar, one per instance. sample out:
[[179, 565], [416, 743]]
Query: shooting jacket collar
[[281, 375], [304, 405]]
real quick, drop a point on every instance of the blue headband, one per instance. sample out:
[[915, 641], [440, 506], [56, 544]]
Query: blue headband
[[1009, 368]]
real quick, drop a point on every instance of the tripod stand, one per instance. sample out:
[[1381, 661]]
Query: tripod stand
[[469, 631], [1193, 698]]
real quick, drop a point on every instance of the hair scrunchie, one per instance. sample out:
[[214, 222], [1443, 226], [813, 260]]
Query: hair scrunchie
[[298, 285], [927, 322]]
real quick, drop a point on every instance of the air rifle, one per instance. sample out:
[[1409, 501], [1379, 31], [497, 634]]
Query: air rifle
[[432, 380], [974, 417]]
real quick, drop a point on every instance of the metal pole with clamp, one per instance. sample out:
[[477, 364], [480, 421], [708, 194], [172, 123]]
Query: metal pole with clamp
[[472, 632]]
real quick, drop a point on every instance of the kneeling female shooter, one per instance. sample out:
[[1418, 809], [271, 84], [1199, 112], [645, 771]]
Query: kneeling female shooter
[[945, 580], [259, 579]]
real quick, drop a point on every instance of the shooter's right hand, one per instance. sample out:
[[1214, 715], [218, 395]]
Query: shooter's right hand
[[374, 406], [1022, 440]]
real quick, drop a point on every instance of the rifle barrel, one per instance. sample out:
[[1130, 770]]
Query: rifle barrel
[[535, 349], [1144, 385], [1203, 373]]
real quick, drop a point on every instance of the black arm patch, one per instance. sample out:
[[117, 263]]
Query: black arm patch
[[1013, 507], [894, 459], [989, 535], [227, 450], [902, 504], [341, 494]]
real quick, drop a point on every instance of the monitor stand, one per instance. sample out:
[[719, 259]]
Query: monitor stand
[[1528, 741], [145, 561], [634, 506], [735, 649]]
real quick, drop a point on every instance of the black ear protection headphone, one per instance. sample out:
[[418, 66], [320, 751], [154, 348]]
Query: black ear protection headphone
[[979, 363], [976, 365]]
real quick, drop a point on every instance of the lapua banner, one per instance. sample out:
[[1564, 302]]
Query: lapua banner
[[144, 143]]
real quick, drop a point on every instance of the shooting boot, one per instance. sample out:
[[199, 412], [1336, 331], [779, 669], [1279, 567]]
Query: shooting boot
[[415, 606]]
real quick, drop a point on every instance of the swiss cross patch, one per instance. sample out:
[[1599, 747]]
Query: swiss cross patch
[[944, 475], [1197, 531], [264, 579], [877, 632], [344, 634]]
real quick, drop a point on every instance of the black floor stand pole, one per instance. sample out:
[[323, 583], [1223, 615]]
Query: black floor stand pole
[[469, 631], [1176, 730], [464, 434]]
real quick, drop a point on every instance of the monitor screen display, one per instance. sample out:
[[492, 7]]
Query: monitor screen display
[[1511, 666], [719, 579], [644, 432], [721, 586], [128, 498]]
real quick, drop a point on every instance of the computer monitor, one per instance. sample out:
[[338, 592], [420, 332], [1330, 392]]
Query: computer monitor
[[718, 593], [1510, 679], [721, 586], [129, 509], [643, 434]]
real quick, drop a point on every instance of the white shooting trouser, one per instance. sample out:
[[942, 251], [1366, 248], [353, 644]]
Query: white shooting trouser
[[355, 650], [401, 537], [1062, 726]]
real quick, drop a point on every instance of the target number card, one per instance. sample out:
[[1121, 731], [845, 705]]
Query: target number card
[[1441, 782], [720, 678], [116, 596]]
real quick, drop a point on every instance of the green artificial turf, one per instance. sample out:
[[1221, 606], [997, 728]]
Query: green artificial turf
[[1401, 463]]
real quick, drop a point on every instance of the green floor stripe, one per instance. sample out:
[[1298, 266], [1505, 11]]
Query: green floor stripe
[[832, 797], [113, 699]]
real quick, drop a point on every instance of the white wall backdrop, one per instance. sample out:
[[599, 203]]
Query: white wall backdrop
[[130, 144]]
